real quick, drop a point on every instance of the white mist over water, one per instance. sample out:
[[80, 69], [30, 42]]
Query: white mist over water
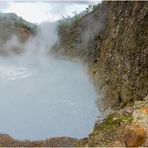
[[39, 102], [42, 96]]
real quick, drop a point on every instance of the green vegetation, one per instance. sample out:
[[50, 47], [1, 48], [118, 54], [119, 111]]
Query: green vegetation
[[113, 122], [68, 21]]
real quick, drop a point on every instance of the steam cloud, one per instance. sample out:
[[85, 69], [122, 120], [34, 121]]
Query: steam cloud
[[39, 44], [45, 38], [45, 90]]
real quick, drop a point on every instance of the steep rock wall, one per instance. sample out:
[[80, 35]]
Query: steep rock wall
[[113, 40]]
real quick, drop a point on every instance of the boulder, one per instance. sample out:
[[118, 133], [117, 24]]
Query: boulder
[[134, 136]]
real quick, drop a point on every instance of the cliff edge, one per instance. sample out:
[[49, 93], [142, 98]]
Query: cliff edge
[[113, 40]]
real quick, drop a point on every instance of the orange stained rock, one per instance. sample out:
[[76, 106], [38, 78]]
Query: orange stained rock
[[145, 111], [134, 136]]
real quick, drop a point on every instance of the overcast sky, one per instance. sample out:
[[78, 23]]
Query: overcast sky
[[38, 11]]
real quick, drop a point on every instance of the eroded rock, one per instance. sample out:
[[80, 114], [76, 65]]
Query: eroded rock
[[134, 136]]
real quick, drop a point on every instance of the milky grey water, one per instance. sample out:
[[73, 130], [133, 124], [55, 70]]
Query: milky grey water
[[45, 97]]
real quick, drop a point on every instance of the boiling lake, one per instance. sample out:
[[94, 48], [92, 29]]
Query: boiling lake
[[45, 97]]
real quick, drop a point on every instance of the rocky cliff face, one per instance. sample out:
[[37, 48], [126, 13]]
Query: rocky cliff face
[[113, 40]]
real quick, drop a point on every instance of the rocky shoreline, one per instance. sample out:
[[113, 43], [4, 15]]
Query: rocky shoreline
[[8, 141], [123, 128]]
